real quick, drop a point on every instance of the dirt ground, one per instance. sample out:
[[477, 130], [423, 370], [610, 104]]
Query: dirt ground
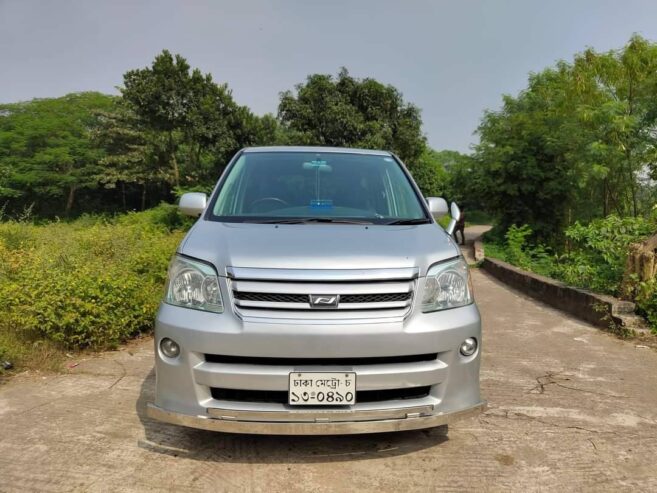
[[571, 409]]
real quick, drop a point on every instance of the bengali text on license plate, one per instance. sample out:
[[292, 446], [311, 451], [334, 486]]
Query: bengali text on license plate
[[322, 388]]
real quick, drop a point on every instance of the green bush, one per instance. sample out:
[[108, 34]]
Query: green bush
[[517, 251], [593, 258], [165, 215], [88, 283], [646, 300], [597, 252]]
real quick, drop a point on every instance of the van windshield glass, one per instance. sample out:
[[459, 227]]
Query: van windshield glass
[[289, 187]]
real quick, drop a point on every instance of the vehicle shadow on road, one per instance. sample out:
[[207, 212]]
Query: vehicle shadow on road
[[190, 443]]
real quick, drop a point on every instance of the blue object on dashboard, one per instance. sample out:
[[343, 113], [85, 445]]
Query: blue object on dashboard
[[321, 204]]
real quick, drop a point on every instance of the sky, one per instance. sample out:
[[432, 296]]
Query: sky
[[453, 59]]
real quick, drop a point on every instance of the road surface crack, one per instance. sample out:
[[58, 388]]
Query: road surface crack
[[557, 379], [123, 374], [525, 417], [507, 414]]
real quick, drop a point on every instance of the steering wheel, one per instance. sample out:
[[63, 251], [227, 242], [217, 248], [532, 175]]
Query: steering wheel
[[275, 200]]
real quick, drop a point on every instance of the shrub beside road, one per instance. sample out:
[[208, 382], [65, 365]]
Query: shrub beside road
[[592, 257], [90, 283]]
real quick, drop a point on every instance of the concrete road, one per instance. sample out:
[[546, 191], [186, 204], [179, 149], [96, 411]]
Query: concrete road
[[571, 409]]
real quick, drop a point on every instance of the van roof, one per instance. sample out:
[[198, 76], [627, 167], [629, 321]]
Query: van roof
[[319, 149]]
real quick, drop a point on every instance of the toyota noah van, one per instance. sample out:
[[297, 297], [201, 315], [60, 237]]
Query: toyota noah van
[[316, 294]]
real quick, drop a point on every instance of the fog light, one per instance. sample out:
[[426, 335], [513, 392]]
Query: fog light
[[469, 346], [169, 347]]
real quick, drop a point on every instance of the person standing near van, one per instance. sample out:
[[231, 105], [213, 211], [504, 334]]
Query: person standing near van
[[460, 227]]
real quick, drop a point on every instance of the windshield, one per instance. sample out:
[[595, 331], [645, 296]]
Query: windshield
[[322, 187]]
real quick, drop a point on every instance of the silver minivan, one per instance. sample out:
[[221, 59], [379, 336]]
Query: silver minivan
[[316, 294]]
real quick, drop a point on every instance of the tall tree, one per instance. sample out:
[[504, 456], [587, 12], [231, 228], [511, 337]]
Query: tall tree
[[577, 143], [526, 178], [463, 181], [190, 110], [46, 153], [134, 155], [617, 103], [429, 173], [345, 111]]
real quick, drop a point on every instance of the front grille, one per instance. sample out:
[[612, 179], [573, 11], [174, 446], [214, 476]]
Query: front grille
[[281, 397], [304, 298], [377, 360], [375, 298], [271, 297], [362, 295]]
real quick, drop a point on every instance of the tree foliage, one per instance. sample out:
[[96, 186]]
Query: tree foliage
[[46, 151], [185, 109], [578, 143], [174, 128], [429, 173], [347, 112], [187, 125]]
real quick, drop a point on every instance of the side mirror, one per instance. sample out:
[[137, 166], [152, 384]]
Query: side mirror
[[437, 206], [193, 203], [455, 212]]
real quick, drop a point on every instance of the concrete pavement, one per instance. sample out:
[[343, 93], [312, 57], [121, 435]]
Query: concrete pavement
[[571, 409]]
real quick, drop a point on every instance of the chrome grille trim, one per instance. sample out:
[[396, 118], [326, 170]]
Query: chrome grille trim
[[321, 415], [318, 286], [326, 275]]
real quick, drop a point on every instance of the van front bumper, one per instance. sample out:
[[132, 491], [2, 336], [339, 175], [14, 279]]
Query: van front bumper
[[314, 422], [193, 389]]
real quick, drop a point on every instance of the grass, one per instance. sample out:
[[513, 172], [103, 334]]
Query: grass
[[31, 351]]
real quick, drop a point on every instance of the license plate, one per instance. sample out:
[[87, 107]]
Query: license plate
[[322, 388]]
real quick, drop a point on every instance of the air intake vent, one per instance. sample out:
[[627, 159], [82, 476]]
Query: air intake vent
[[271, 297], [378, 360], [280, 397]]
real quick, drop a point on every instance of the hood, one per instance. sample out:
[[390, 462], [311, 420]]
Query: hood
[[317, 246]]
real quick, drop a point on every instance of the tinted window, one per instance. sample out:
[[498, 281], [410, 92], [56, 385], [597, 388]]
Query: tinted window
[[316, 185]]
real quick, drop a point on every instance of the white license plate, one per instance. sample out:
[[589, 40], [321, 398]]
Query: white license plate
[[322, 388]]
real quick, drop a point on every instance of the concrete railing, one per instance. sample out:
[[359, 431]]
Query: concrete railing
[[598, 309]]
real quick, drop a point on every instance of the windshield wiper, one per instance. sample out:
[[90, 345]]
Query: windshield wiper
[[274, 221], [336, 220], [308, 220], [421, 220]]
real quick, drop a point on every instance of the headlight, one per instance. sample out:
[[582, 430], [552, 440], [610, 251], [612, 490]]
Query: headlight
[[447, 286], [193, 284]]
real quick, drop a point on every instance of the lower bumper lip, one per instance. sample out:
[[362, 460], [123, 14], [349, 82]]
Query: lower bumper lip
[[315, 422]]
